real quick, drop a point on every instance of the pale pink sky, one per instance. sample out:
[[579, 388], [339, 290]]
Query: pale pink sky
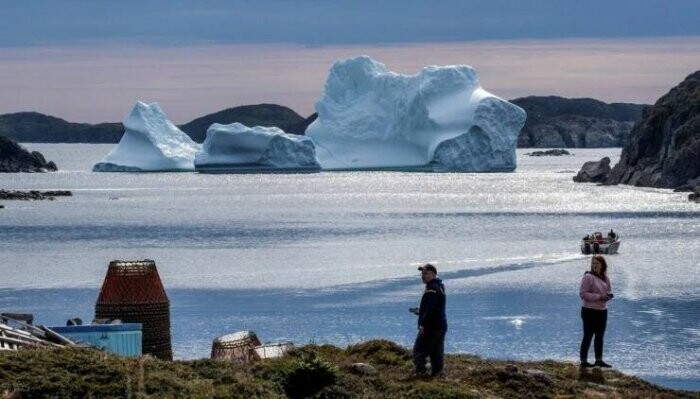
[[96, 84]]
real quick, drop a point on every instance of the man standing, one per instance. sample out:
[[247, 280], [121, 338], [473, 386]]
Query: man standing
[[432, 323]]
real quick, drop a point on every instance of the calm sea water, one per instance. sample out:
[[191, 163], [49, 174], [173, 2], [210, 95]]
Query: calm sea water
[[332, 257]]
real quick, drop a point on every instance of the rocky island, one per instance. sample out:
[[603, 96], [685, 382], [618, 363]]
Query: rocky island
[[557, 152], [14, 158], [33, 195]]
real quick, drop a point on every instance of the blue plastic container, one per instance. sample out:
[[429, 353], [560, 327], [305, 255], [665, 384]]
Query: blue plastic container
[[121, 339]]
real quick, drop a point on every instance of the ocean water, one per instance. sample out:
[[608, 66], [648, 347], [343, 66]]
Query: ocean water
[[332, 257]]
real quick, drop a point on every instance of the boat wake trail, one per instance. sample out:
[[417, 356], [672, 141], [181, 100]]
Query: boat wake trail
[[512, 264], [469, 268]]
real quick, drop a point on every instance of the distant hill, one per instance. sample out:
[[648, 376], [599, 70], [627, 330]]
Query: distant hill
[[552, 122], [33, 127], [300, 128], [250, 115], [576, 122], [14, 158]]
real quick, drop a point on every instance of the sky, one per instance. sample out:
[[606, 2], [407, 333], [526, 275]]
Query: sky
[[89, 61]]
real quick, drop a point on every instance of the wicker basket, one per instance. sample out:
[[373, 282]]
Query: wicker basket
[[132, 292], [237, 347]]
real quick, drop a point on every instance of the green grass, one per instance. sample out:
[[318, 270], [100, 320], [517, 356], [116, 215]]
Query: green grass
[[312, 371]]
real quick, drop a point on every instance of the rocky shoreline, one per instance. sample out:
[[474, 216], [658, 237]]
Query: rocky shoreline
[[33, 195], [14, 158], [372, 369], [664, 146]]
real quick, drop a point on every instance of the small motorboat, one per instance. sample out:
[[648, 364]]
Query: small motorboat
[[596, 243]]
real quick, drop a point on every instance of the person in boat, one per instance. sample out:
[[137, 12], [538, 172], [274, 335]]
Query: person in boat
[[599, 238], [587, 241], [595, 292], [611, 236], [432, 324]]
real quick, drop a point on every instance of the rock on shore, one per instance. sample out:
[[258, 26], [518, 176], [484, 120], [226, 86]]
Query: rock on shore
[[695, 195], [14, 158], [594, 171]]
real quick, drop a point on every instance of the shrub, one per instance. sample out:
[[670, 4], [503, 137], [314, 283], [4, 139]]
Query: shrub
[[307, 376], [380, 351]]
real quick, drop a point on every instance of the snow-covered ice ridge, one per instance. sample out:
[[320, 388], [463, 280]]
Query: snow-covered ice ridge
[[438, 119], [151, 143], [236, 147]]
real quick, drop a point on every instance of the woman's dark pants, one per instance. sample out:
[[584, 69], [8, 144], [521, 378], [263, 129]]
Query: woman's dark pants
[[594, 322], [429, 344]]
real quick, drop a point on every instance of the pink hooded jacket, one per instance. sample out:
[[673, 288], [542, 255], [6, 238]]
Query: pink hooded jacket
[[594, 290]]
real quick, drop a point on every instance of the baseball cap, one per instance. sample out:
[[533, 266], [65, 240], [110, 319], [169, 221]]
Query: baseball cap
[[429, 267]]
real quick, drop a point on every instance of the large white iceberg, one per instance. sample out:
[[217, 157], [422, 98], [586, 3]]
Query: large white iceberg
[[239, 148], [438, 119], [151, 143]]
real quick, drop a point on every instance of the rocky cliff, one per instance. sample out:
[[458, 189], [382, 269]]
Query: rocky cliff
[[14, 158], [575, 123], [664, 147]]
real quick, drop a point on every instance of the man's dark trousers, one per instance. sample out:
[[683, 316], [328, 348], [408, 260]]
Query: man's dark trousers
[[429, 344]]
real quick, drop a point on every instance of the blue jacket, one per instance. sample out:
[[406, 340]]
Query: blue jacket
[[431, 314]]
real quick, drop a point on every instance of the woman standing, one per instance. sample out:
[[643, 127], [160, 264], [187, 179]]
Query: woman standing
[[595, 292]]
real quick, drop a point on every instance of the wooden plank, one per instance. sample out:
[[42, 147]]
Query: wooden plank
[[16, 341], [21, 335], [36, 331], [6, 327], [25, 342], [56, 336]]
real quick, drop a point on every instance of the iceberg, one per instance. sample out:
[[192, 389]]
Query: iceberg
[[151, 143], [239, 148], [439, 119]]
